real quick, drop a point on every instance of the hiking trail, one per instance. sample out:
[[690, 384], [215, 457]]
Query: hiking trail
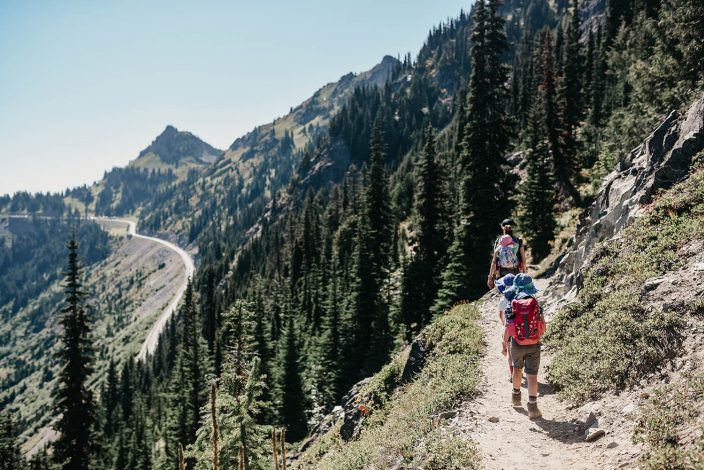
[[506, 438]]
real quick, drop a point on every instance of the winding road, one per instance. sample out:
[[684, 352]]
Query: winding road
[[150, 342]]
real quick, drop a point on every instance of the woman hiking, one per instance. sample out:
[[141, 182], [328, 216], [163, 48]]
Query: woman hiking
[[509, 256]]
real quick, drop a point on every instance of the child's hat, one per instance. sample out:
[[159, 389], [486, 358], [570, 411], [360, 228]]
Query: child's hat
[[505, 282], [524, 283]]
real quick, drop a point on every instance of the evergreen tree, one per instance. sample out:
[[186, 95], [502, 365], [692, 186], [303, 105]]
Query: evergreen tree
[[421, 276], [10, 454], [570, 97], [485, 185], [562, 161], [186, 385], [232, 417], [73, 402], [293, 401], [538, 192], [377, 208]]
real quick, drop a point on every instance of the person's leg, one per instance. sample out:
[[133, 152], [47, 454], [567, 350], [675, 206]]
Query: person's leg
[[515, 352], [532, 386], [517, 378], [532, 361], [516, 394]]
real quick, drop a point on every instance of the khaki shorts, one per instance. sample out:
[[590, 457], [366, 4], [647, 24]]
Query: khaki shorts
[[525, 357]]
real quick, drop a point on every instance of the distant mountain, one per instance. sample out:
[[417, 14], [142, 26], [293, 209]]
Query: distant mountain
[[174, 148]]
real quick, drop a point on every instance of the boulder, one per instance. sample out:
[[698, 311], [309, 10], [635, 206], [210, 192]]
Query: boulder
[[416, 360]]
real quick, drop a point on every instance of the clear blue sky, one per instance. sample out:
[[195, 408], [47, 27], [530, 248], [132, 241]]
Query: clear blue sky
[[85, 85]]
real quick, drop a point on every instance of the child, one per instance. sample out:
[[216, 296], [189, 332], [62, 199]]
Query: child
[[505, 287]]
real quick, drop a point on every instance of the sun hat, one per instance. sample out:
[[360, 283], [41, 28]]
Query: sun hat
[[504, 283], [506, 240], [524, 283], [507, 222], [510, 293]]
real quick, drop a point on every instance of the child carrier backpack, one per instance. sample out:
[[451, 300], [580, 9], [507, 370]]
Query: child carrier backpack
[[526, 323], [506, 257]]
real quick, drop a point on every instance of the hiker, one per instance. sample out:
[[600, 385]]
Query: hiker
[[509, 256], [505, 287], [525, 325]]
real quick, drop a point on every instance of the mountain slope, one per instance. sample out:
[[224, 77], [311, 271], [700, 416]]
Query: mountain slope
[[630, 325]]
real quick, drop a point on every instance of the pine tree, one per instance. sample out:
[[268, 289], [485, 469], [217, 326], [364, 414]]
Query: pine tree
[[109, 400], [538, 192], [377, 207], [421, 276], [485, 184], [561, 161], [73, 402], [186, 385], [293, 402], [10, 454], [570, 93]]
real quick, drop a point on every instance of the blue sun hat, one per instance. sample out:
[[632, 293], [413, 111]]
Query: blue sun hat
[[510, 293], [505, 282], [524, 284]]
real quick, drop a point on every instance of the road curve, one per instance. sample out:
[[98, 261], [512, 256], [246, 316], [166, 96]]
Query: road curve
[[150, 342]]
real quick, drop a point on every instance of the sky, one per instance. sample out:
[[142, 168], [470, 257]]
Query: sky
[[86, 85]]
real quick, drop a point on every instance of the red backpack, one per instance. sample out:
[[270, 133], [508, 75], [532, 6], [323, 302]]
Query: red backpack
[[526, 324]]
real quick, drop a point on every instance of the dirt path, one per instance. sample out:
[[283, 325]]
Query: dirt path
[[150, 342], [513, 441]]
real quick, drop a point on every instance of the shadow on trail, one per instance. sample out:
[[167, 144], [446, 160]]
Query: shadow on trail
[[568, 432], [544, 389]]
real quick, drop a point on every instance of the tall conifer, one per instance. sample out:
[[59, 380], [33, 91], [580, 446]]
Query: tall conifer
[[485, 184], [10, 454], [538, 192], [73, 403], [422, 275]]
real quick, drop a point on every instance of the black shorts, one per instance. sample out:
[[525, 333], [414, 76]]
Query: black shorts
[[505, 271]]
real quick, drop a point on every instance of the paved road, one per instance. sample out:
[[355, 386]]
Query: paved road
[[149, 344]]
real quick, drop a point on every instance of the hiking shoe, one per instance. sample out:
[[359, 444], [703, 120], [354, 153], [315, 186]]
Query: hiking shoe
[[533, 411], [516, 398]]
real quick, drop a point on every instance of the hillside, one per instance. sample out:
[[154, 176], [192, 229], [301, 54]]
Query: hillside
[[343, 250], [128, 281], [619, 336]]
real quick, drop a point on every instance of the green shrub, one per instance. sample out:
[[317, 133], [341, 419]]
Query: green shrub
[[443, 451], [670, 426]]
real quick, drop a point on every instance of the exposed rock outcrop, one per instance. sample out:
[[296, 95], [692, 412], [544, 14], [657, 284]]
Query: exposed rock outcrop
[[662, 160]]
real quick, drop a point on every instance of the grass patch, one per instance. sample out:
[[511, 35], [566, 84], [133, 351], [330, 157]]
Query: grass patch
[[671, 425], [443, 451], [399, 429], [608, 340]]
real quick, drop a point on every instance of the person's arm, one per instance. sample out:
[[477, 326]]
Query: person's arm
[[504, 342], [492, 272], [522, 264]]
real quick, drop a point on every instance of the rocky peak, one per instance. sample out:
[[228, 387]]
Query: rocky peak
[[173, 146]]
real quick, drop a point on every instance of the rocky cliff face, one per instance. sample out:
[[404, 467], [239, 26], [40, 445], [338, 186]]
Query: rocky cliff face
[[662, 160]]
